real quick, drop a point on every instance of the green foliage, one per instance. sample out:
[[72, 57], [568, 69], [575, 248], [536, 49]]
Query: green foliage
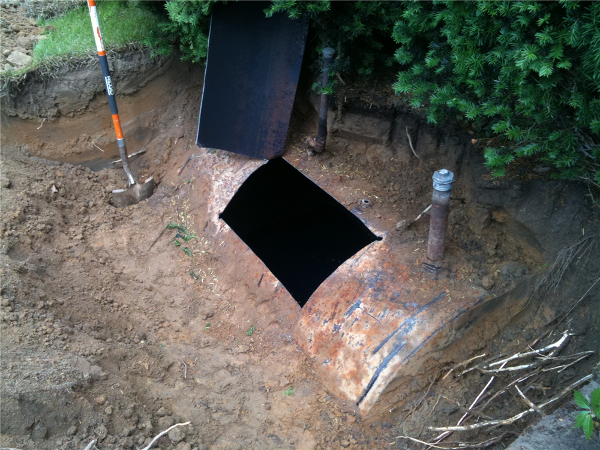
[[182, 23], [526, 74], [186, 235], [182, 233], [251, 330], [289, 391], [591, 410], [122, 23], [352, 28]]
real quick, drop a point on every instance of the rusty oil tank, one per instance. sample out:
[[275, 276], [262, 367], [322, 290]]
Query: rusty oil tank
[[380, 320]]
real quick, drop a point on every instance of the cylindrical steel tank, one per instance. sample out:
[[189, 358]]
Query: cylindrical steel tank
[[377, 322]]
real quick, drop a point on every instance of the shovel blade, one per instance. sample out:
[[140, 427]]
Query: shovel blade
[[122, 198]]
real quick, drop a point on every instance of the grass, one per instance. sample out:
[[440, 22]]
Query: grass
[[121, 23]]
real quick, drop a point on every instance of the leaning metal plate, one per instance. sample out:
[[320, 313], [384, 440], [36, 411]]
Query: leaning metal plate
[[250, 80]]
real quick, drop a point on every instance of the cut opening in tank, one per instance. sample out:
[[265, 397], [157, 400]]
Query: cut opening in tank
[[299, 231]]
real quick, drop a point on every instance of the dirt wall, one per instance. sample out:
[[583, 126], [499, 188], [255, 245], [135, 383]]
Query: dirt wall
[[70, 87]]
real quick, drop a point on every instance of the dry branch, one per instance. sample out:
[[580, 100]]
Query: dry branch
[[461, 445], [90, 445], [128, 156], [515, 381], [411, 145], [448, 432], [421, 215], [159, 435], [529, 402], [565, 366], [494, 423], [556, 345], [473, 412], [564, 258], [579, 301], [464, 363]]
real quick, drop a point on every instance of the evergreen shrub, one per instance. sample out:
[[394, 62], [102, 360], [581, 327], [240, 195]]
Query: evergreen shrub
[[524, 74]]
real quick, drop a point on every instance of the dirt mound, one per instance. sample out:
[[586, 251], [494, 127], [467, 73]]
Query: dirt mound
[[95, 349]]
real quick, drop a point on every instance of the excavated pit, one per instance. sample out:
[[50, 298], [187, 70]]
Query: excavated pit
[[376, 329], [300, 232]]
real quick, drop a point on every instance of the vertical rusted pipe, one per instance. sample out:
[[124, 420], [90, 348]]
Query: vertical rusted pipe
[[328, 53], [440, 204]]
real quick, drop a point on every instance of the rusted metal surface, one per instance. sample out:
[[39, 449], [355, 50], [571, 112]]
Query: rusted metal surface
[[371, 327], [250, 81], [373, 320], [440, 205]]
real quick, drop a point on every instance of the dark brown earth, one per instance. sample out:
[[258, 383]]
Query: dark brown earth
[[107, 335]]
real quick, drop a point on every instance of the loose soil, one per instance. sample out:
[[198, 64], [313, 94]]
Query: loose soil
[[18, 34], [111, 332]]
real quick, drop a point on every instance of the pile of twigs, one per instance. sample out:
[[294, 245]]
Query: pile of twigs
[[525, 368]]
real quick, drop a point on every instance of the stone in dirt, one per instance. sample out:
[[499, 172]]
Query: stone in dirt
[[39, 432], [176, 435], [19, 59], [487, 282]]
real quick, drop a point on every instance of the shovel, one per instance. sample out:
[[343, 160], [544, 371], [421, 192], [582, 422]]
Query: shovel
[[136, 192]]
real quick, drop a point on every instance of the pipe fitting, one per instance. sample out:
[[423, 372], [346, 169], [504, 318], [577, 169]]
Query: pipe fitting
[[440, 205], [442, 180], [328, 53]]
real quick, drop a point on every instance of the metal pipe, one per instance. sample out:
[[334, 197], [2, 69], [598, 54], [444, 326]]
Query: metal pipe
[[328, 53], [440, 204]]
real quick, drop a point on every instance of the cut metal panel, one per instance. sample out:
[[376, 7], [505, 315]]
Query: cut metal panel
[[250, 81]]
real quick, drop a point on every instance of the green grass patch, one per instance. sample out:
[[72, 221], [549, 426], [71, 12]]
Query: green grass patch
[[121, 23]]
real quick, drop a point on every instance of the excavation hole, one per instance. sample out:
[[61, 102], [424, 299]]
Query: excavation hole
[[298, 230]]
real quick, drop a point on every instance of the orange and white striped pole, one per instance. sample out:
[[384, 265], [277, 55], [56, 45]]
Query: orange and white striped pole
[[109, 89]]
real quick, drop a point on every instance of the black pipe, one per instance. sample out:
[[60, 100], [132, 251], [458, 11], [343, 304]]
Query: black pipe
[[328, 53], [440, 205]]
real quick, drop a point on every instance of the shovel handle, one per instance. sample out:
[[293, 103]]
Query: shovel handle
[[110, 92]]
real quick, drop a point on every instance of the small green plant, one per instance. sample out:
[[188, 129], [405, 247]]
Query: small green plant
[[289, 391], [251, 330], [207, 326], [591, 411], [182, 233]]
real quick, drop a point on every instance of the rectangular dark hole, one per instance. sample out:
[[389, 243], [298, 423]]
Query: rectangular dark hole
[[298, 230]]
